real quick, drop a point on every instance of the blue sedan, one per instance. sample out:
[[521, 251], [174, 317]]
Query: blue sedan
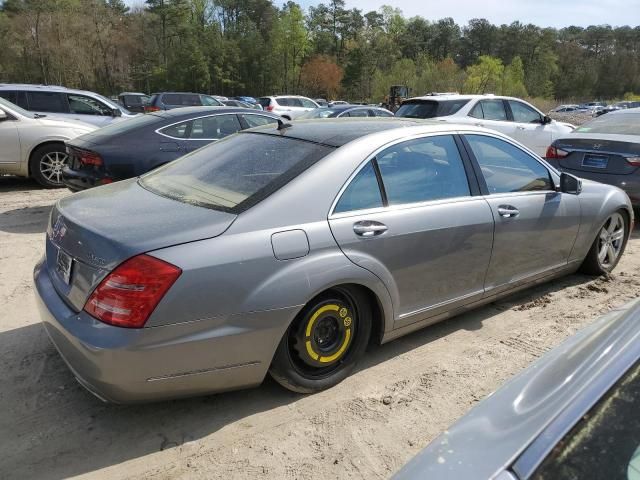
[[133, 147]]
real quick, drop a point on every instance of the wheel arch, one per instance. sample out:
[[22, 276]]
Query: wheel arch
[[39, 145]]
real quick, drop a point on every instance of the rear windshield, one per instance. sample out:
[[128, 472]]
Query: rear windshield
[[118, 128], [182, 99], [430, 108], [622, 124], [234, 174], [264, 102]]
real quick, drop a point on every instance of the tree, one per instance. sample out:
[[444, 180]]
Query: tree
[[321, 77], [485, 76]]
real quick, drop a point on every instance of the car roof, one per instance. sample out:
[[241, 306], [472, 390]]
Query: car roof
[[336, 132], [437, 98], [133, 93], [496, 432], [45, 88], [202, 111]]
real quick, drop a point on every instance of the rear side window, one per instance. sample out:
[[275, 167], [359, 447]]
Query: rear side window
[[421, 170], [360, 112], [181, 99], [430, 108], [489, 110], [9, 96], [48, 102], [235, 173], [214, 127], [506, 168], [258, 120], [178, 130], [363, 192]]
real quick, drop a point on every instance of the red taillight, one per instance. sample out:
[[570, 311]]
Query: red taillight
[[269, 108], [129, 294], [554, 152], [89, 158], [635, 161], [151, 108]]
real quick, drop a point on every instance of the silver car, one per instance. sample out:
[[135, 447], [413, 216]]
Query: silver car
[[287, 249], [573, 414], [32, 145]]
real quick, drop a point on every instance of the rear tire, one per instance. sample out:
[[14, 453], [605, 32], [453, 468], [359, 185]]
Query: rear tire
[[324, 343], [46, 164], [608, 246]]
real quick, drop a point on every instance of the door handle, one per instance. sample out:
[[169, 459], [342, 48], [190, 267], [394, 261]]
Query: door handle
[[368, 228], [521, 128], [479, 124], [508, 211]]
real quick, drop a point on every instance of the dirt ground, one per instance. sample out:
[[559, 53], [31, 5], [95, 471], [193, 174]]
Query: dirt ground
[[402, 396]]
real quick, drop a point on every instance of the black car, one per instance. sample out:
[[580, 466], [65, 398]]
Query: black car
[[134, 102], [170, 100], [340, 111], [133, 147]]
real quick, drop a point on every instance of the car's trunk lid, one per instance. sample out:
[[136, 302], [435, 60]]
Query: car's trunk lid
[[599, 153], [98, 229]]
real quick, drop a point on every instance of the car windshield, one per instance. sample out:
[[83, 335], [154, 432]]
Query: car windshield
[[235, 173], [617, 123], [429, 108], [16, 108], [318, 113]]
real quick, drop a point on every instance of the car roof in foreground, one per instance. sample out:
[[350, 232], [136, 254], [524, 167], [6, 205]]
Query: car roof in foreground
[[338, 132], [202, 111], [496, 432]]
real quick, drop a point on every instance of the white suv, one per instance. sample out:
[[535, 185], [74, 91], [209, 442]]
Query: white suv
[[511, 116], [287, 106]]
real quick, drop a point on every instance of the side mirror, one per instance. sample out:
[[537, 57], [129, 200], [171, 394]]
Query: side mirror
[[546, 120], [116, 112], [3, 115], [570, 184]]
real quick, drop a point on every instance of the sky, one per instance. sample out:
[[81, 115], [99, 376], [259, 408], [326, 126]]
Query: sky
[[544, 13]]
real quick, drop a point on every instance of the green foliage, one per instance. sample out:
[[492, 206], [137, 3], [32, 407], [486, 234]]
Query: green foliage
[[259, 47]]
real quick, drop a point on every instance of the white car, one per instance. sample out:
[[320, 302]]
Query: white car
[[32, 145], [287, 106], [511, 116], [67, 103]]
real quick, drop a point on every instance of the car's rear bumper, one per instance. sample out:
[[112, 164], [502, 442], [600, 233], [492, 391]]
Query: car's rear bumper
[[629, 183], [123, 365], [77, 180]]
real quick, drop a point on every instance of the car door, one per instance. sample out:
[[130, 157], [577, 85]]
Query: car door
[[535, 225], [10, 153], [531, 130], [492, 113], [411, 216], [90, 110]]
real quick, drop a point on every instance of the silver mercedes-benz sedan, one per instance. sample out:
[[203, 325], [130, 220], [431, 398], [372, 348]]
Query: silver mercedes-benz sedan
[[287, 249]]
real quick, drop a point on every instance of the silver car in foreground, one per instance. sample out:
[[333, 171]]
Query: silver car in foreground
[[286, 249], [573, 414]]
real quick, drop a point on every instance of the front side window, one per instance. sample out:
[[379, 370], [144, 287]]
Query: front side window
[[53, 102], [235, 173], [210, 101], [523, 113], [506, 168], [605, 443], [214, 127], [360, 112], [424, 169], [258, 120], [382, 113], [363, 192], [307, 103], [81, 104]]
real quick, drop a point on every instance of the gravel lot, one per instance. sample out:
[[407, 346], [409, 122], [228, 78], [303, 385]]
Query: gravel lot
[[403, 395]]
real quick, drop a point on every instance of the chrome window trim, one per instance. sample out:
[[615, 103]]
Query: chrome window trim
[[332, 213], [191, 120]]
